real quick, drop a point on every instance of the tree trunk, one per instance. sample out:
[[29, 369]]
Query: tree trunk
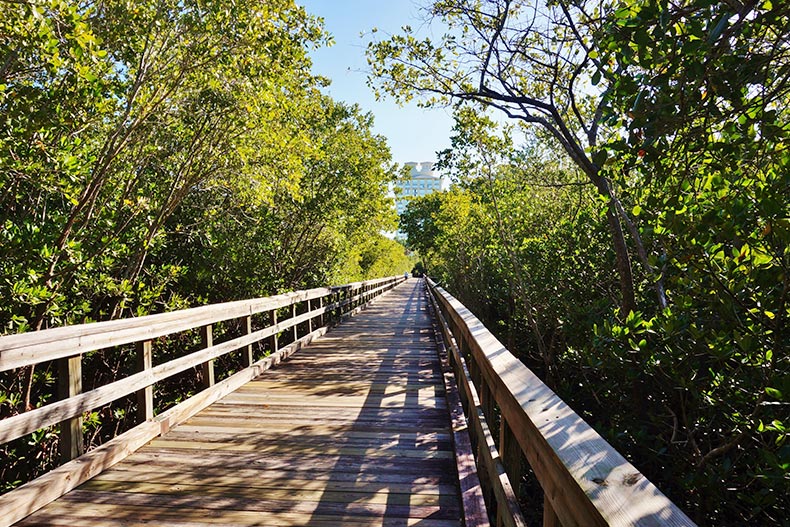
[[627, 300]]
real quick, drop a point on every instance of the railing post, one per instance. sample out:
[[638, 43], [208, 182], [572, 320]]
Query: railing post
[[295, 326], [511, 455], [321, 306], [474, 370], [69, 385], [310, 319], [145, 397], [487, 402], [247, 328], [273, 343], [550, 518], [207, 368]]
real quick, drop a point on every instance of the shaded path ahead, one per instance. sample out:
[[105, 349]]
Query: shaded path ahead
[[352, 430]]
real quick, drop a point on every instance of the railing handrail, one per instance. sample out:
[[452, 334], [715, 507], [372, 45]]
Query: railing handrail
[[24, 349], [584, 479], [68, 344]]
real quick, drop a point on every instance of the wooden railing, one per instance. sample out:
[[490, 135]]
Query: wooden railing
[[585, 481], [312, 313]]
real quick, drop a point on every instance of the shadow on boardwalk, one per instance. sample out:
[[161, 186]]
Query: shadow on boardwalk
[[351, 431]]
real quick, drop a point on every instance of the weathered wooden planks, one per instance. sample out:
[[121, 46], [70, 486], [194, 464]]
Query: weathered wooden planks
[[585, 481], [21, 350], [353, 430]]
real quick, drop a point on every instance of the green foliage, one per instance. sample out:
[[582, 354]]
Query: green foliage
[[702, 93], [373, 257], [678, 114], [239, 248], [694, 393], [516, 242], [158, 155]]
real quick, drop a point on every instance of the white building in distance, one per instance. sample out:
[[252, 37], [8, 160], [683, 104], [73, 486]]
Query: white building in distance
[[423, 179]]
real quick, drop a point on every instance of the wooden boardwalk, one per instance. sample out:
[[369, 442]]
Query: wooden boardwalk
[[353, 430]]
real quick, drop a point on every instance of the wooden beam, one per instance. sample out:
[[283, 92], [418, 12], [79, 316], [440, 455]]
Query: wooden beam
[[274, 345], [246, 324], [27, 422], [145, 396], [586, 481], [69, 385], [17, 351], [472, 501], [550, 518], [207, 368], [512, 457], [295, 326], [28, 498]]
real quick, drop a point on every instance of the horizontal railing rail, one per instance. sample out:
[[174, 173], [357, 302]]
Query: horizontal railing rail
[[585, 481], [312, 311]]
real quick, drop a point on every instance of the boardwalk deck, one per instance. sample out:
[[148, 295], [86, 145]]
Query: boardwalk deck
[[353, 430]]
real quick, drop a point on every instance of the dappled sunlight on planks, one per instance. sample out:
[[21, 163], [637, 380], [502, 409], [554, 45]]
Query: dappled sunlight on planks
[[353, 430]]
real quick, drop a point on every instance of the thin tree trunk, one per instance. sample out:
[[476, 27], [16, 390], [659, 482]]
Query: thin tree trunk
[[627, 300]]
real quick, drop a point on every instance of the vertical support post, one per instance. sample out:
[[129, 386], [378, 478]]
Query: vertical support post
[[295, 326], [247, 328], [145, 397], [69, 385], [511, 455], [486, 484], [550, 518], [486, 402], [321, 316], [474, 370], [207, 368], [273, 344], [309, 320]]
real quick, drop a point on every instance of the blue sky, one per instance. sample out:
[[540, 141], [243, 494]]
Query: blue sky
[[414, 134]]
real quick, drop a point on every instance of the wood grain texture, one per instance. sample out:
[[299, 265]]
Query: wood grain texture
[[75, 405], [585, 480], [472, 500], [351, 431], [32, 496], [69, 385], [21, 350]]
